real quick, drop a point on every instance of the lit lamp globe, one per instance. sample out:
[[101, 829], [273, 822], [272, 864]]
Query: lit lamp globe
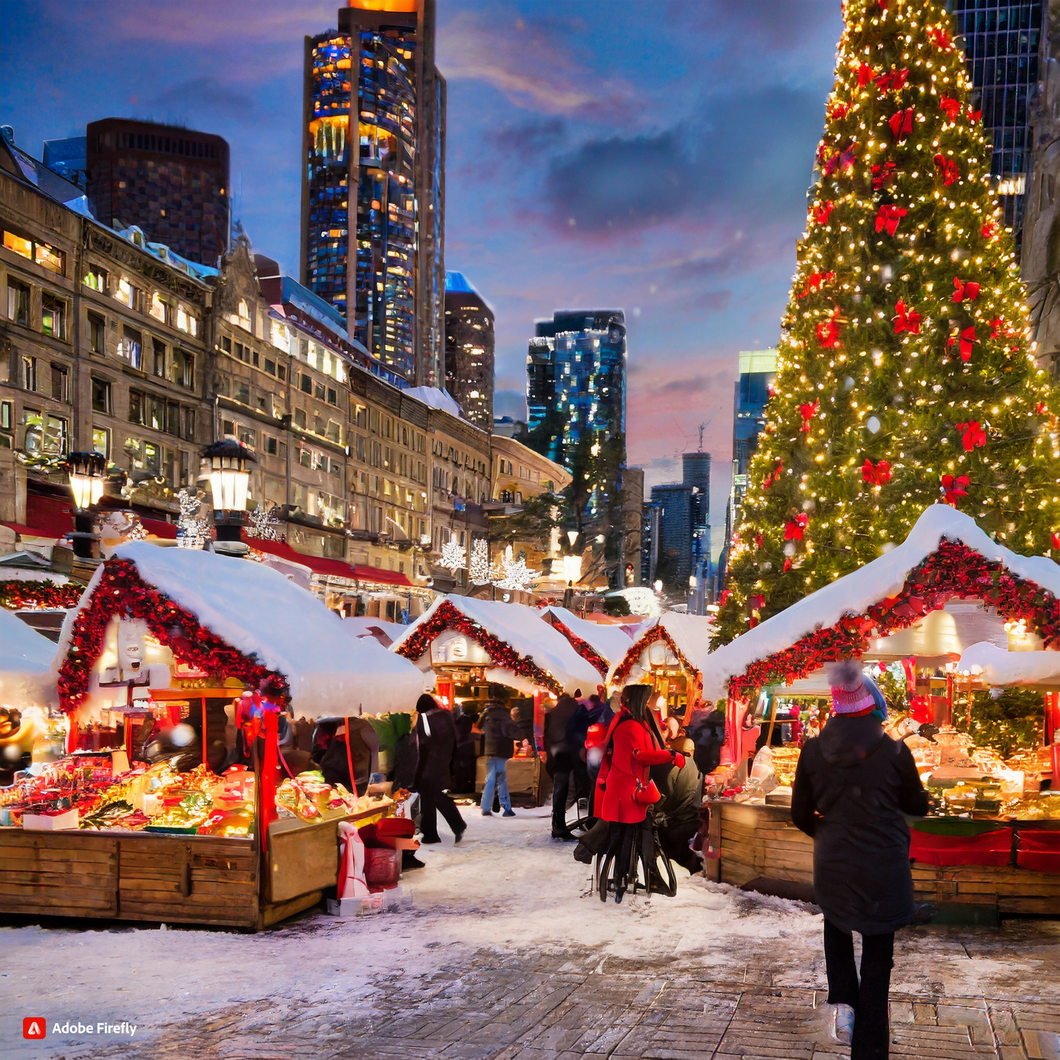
[[86, 471], [227, 464]]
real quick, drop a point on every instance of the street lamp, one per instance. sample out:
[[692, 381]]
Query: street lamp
[[86, 471], [229, 488]]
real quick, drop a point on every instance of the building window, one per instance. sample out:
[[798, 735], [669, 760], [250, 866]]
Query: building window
[[18, 302], [161, 309], [96, 278], [100, 395], [156, 413], [6, 414], [60, 383], [97, 333], [18, 244], [101, 441], [269, 444], [306, 384], [129, 294], [132, 347], [182, 369], [242, 393], [53, 317], [28, 372], [158, 358], [299, 418], [46, 435], [45, 255], [136, 407], [188, 423]]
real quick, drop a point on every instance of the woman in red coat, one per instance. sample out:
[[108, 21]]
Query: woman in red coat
[[624, 788]]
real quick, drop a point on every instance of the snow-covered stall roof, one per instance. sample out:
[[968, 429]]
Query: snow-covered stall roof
[[1001, 668], [609, 642], [27, 665], [362, 626], [855, 592], [534, 642], [690, 634], [259, 612]]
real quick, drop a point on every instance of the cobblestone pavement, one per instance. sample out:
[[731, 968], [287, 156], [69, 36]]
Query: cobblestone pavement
[[527, 1005]]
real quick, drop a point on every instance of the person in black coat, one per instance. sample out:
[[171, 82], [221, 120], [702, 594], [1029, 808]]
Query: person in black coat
[[436, 738], [853, 784], [560, 758]]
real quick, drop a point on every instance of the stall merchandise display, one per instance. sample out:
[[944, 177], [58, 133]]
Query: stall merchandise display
[[82, 791], [309, 798]]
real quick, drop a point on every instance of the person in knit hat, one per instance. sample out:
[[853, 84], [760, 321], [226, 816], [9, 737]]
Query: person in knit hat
[[853, 786]]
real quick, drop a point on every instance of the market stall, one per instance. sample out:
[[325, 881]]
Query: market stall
[[27, 691], [913, 610], [669, 653], [600, 644], [162, 641], [479, 650]]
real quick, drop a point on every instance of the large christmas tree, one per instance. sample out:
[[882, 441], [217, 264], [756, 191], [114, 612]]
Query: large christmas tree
[[906, 373]]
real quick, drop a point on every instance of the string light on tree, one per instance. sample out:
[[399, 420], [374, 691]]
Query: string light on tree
[[906, 374], [454, 556], [481, 572], [515, 576], [192, 531]]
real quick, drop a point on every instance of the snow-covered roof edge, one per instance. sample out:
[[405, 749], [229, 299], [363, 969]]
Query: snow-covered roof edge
[[609, 642], [1001, 668], [855, 592]]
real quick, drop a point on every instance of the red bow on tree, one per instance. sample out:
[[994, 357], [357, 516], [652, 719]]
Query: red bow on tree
[[838, 111], [998, 326], [940, 38], [878, 474], [882, 174], [974, 115], [807, 412], [901, 123], [840, 161], [865, 74], [723, 598], [888, 216], [948, 170], [963, 289], [814, 282], [906, 319], [967, 341], [829, 331], [989, 230], [892, 80], [973, 435], [794, 529], [950, 107], [774, 476], [1041, 409], [822, 211], [1056, 540], [953, 488], [757, 602]]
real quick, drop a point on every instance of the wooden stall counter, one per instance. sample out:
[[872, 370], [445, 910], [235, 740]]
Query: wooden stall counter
[[760, 849]]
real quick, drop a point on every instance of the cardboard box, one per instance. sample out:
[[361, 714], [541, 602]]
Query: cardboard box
[[50, 822]]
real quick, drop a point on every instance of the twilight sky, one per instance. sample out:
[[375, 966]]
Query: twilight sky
[[651, 155]]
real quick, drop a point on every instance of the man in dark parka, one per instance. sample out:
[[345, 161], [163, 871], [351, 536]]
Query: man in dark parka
[[436, 736], [852, 787]]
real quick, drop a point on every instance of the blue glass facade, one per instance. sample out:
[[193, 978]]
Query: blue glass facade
[[1001, 42]]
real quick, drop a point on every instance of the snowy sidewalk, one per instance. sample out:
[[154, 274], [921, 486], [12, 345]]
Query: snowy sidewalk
[[505, 955]]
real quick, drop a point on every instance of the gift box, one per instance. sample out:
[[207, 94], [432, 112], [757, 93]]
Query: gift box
[[50, 820]]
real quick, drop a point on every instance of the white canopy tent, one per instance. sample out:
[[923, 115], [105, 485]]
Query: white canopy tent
[[259, 612], [27, 665], [518, 626]]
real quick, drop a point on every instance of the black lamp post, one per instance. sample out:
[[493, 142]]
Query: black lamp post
[[86, 471], [229, 488]]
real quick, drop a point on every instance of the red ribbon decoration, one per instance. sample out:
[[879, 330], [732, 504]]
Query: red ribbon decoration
[[999, 326], [807, 412], [878, 474], [973, 435], [865, 74], [989, 230], [954, 488], [882, 174], [965, 289], [838, 111], [967, 341], [723, 599], [974, 115], [888, 216], [948, 170], [892, 80], [840, 161], [757, 602], [950, 107], [774, 476], [901, 123], [906, 319], [829, 331], [823, 211], [814, 282], [1056, 540], [940, 38], [794, 529]]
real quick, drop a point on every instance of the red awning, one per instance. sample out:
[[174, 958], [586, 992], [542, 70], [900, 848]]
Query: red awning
[[28, 531], [159, 527], [377, 574], [335, 568], [50, 516]]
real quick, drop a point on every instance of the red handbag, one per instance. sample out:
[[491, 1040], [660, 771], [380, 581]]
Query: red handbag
[[646, 794]]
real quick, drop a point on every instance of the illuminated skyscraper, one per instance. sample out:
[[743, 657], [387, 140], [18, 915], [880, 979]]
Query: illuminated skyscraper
[[469, 342], [1001, 39], [373, 187]]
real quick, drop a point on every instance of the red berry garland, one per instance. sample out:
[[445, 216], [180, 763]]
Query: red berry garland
[[501, 653], [121, 591], [657, 633], [955, 570], [582, 647], [17, 594]]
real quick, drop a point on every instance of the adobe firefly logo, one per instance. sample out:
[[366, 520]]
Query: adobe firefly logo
[[34, 1028]]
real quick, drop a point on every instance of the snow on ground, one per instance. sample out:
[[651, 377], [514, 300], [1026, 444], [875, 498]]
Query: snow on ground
[[507, 887]]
